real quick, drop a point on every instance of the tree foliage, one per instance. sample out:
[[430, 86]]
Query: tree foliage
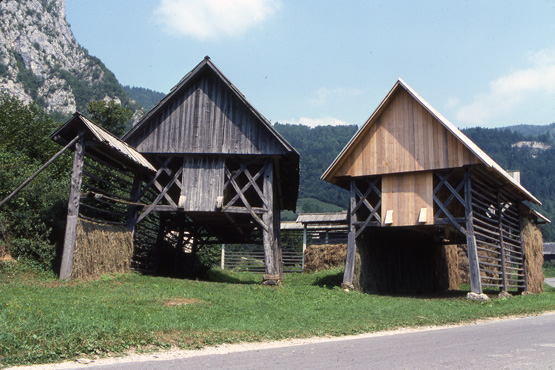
[[146, 97], [31, 221], [110, 115], [318, 147]]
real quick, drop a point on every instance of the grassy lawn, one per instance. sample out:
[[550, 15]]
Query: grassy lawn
[[44, 320]]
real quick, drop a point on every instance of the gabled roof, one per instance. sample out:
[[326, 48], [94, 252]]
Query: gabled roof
[[109, 145], [468, 144], [323, 218], [207, 64]]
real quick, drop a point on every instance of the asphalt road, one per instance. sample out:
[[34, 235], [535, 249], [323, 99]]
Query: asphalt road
[[524, 343]]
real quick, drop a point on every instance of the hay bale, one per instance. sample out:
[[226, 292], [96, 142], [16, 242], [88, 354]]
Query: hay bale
[[101, 249], [533, 250], [324, 256]]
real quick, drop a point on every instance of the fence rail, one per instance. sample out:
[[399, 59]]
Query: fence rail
[[293, 242]]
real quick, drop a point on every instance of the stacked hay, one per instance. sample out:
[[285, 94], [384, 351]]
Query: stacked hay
[[324, 256], [533, 250], [447, 266], [101, 249], [464, 267]]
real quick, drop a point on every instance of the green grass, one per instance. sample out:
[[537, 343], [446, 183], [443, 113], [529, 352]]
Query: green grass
[[44, 320], [549, 269]]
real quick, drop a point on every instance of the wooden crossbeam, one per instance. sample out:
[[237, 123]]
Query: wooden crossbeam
[[156, 175], [252, 182], [363, 200], [150, 208], [244, 200]]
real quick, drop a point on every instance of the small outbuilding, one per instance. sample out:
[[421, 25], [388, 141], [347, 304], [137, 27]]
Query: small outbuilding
[[417, 184]]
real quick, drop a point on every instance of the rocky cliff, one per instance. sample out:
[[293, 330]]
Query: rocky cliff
[[41, 61]]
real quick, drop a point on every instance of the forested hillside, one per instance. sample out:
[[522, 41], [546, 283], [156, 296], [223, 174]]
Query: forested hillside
[[318, 148], [145, 97]]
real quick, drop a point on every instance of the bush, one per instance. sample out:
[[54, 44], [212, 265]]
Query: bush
[[33, 220]]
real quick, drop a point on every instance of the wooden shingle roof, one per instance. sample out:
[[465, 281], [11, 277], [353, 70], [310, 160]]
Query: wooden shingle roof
[[106, 145]]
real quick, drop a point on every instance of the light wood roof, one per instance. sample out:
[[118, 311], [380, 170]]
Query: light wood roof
[[406, 134]]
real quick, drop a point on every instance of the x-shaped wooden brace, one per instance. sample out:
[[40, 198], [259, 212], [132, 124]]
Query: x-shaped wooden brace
[[454, 194], [163, 190], [363, 200], [232, 179]]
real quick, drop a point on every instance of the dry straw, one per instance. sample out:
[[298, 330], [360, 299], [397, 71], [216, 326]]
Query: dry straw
[[533, 250], [101, 249], [324, 256]]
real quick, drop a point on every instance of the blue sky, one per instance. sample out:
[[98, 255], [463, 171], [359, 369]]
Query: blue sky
[[479, 63]]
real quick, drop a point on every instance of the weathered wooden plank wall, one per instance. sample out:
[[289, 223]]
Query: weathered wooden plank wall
[[405, 138], [206, 117], [202, 184]]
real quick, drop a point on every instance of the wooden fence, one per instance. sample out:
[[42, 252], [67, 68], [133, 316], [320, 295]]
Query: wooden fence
[[251, 257]]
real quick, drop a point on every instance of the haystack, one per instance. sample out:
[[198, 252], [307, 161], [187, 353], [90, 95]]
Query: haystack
[[533, 250], [101, 249], [324, 256]]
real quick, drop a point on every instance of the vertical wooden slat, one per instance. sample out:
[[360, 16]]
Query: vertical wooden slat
[[73, 210]]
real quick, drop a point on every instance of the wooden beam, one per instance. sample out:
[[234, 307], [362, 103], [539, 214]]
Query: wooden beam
[[133, 210], [474, 267], [73, 209], [272, 251], [351, 242]]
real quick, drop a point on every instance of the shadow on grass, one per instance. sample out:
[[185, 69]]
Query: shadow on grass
[[221, 276], [330, 281]]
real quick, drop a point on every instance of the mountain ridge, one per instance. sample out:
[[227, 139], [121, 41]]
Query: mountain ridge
[[41, 62]]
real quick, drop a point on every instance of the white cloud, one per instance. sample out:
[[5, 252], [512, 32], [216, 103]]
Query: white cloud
[[210, 19], [507, 92], [324, 95], [313, 122]]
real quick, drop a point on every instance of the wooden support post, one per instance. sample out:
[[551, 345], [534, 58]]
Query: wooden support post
[[474, 267], [222, 260], [501, 242], [270, 236], [132, 214], [304, 242], [73, 209], [351, 242]]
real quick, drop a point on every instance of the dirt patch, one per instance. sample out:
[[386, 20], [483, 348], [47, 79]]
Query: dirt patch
[[182, 301]]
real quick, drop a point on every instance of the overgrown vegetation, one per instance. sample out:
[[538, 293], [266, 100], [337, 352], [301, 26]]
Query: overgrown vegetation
[[44, 320], [31, 221]]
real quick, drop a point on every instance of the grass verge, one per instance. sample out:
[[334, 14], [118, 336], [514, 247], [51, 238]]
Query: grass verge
[[44, 320]]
